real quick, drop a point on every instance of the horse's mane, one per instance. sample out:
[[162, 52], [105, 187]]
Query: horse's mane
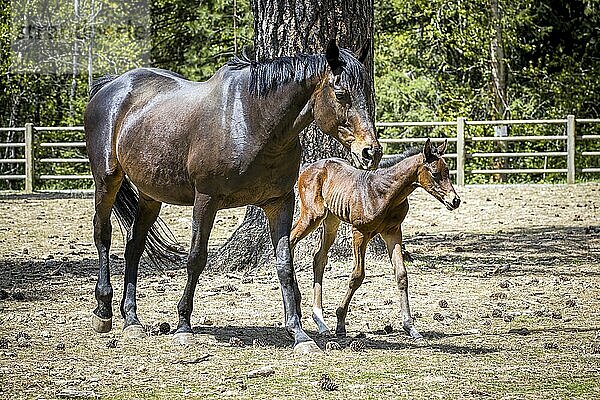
[[391, 161], [266, 76]]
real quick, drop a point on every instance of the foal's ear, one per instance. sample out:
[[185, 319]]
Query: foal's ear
[[442, 148], [427, 150], [364, 51], [333, 57]]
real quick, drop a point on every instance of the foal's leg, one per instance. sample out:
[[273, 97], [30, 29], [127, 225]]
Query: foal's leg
[[202, 222], [359, 243], [107, 186], [148, 210], [280, 216], [330, 227], [393, 240]]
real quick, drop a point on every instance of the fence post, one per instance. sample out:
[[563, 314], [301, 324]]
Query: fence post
[[460, 151], [29, 157], [570, 149]]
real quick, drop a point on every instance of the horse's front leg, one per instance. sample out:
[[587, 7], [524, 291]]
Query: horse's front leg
[[393, 241], [202, 222], [280, 216], [359, 244]]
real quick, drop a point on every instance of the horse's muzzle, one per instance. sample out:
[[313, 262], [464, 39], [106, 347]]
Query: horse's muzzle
[[369, 158]]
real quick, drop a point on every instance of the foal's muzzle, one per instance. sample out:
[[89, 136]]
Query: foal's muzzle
[[451, 202]]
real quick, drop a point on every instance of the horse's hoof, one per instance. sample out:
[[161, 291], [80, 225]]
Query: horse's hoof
[[101, 325], [134, 332], [413, 333], [183, 339], [307, 347]]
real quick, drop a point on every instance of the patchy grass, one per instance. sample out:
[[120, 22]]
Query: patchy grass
[[518, 266]]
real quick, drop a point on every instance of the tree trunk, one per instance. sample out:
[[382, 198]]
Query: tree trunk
[[289, 27], [499, 83]]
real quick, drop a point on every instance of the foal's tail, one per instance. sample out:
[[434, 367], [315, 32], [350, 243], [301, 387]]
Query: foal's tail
[[161, 245]]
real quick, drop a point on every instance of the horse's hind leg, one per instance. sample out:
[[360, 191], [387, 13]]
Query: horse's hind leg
[[359, 244], [107, 187], [330, 227], [148, 210]]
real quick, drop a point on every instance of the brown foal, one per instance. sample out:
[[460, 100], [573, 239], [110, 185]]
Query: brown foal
[[374, 202]]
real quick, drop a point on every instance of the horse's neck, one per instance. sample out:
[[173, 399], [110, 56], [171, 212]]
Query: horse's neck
[[400, 178], [288, 110]]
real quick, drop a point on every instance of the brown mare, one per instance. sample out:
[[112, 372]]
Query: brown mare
[[374, 202], [227, 142]]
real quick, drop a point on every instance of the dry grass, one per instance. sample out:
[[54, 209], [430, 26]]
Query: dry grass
[[542, 242]]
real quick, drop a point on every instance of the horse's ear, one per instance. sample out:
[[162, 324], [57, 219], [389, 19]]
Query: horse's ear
[[442, 148], [333, 57], [427, 150], [364, 51]]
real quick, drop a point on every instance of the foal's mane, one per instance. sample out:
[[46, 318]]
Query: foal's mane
[[391, 161], [266, 76]]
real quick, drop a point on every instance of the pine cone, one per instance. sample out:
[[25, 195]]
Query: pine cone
[[258, 342], [60, 346], [236, 342], [438, 317], [496, 313], [4, 343], [357, 345], [327, 384], [332, 346], [112, 343], [504, 284], [164, 328], [388, 302], [498, 296], [388, 329], [23, 339], [571, 303], [443, 304], [556, 315]]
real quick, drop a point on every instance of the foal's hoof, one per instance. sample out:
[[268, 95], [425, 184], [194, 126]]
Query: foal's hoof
[[101, 325], [134, 332], [307, 347], [183, 339]]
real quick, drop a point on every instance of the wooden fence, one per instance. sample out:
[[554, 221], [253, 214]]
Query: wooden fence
[[461, 139]]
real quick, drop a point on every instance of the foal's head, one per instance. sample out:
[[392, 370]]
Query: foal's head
[[340, 106], [434, 176]]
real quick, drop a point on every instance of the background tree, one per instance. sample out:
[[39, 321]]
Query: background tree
[[288, 27]]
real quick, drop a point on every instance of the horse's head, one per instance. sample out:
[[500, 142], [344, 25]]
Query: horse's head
[[340, 106], [434, 176]]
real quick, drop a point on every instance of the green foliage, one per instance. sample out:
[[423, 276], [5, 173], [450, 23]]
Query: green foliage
[[432, 62]]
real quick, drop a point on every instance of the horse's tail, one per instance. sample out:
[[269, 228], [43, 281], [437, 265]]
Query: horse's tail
[[99, 83], [161, 245]]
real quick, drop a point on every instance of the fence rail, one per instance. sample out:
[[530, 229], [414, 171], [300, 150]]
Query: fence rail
[[461, 139]]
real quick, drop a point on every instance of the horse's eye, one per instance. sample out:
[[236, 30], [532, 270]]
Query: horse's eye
[[342, 96], [436, 175]]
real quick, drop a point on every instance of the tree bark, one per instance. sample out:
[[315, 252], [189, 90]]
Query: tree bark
[[285, 28], [499, 83]]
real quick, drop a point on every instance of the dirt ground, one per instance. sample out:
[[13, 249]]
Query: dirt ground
[[505, 289]]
